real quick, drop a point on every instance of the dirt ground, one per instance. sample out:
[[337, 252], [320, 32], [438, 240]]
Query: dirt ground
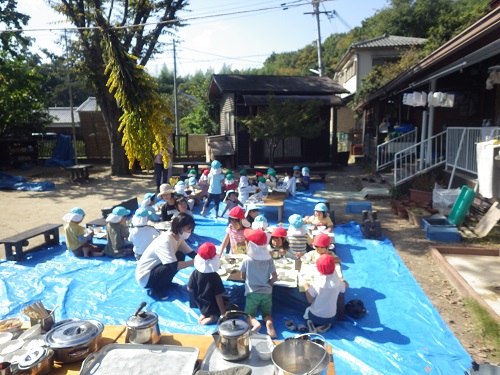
[[22, 210]]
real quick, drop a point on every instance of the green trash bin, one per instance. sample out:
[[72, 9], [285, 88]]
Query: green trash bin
[[461, 205]]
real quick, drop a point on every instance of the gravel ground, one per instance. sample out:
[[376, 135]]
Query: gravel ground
[[24, 210]]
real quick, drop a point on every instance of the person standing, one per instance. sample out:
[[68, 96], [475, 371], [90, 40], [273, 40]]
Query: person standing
[[215, 181], [162, 174]]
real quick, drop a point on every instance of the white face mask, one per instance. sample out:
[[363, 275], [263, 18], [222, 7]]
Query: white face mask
[[185, 235]]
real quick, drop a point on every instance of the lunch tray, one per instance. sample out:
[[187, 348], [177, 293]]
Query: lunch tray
[[213, 361], [133, 359]]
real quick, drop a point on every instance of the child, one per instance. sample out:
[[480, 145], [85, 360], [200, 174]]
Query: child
[[290, 183], [278, 242], [203, 182], [259, 273], [323, 295], [321, 218], [148, 203], [182, 205], [296, 172], [118, 246], [168, 208], [305, 180], [231, 201], [206, 285], [77, 241], [234, 232], [229, 183], [215, 179], [192, 184], [271, 178], [252, 212], [142, 234], [262, 186], [243, 187], [297, 238], [260, 222], [180, 191], [321, 244], [192, 173]]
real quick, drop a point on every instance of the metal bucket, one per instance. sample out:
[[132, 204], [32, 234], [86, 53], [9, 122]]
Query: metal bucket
[[301, 355]]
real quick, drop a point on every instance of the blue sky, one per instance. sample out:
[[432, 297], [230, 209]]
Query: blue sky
[[239, 33]]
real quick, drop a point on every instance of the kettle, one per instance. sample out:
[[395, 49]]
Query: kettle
[[232, 338], [142, 327]]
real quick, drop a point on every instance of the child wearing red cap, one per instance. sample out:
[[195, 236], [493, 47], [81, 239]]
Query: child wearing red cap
[[321, 244], [322, 294], [206, 285], [278, 241], [234, 232], [259, 273]]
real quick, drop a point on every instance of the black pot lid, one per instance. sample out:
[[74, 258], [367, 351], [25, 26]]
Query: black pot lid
[[35, 356], [74, 333], [233, 328], [142, 320]]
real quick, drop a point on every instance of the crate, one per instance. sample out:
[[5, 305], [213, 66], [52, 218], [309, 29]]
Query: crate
[[436, 222], [443, 234], [357, 207]]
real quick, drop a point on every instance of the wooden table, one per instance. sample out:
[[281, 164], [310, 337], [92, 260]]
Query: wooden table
[[272, 200], [116, 334]]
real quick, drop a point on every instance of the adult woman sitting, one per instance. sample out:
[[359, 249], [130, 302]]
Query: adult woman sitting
[[165, 256]]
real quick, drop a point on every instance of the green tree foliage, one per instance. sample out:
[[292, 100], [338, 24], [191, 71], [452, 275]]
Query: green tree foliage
[[90, 17], [22, 102], [281, 120]]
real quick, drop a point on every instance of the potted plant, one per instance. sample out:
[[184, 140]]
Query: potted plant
[[416, 214]]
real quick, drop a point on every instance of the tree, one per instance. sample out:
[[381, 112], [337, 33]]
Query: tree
[[24, 109], [91, 17], [281, 120]]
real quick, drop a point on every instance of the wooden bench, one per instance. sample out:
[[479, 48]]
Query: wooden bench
[[14, 244], [79, 172], [187, 165], [318, 176]]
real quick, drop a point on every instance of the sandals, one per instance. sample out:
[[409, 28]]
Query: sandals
[[323, 329], [302, 328], [311, 327], [290, 325]]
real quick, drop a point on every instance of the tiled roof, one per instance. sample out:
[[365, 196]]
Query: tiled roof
[[62, 115], [389, 41]]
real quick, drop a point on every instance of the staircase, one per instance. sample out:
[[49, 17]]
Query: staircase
[[455, 149]]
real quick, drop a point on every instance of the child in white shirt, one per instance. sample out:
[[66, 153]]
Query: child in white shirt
[[142, 234]]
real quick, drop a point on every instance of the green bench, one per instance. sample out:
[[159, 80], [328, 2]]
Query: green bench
[[14, 244]]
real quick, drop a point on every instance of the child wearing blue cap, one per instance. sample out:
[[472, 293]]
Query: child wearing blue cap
[[77, 240], [148, 202], [297, 237], [141, 234], [118, 246], [321, 218], [215, 181], [305, 180]]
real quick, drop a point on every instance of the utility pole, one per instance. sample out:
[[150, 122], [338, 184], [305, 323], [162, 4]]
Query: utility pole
[[176, 114], [316, 12], [70, 88]]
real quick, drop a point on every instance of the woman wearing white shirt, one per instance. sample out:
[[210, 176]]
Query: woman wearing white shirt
[[165, 256]]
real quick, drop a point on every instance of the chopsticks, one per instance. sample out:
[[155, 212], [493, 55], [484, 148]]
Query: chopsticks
[[36, 310]]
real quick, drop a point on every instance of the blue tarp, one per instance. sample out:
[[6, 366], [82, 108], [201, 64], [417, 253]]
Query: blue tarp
[[10, 182], [401, 334], [63, 154]]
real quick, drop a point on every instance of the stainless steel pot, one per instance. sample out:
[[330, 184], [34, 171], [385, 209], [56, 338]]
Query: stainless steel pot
[[75, 340], [39, 361], [143, 327], [232, 338], [301, 355]]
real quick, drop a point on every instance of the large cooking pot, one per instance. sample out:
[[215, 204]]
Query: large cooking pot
[[74, 340], [301, 355], [142, 327], [232, 338], [39, 361]]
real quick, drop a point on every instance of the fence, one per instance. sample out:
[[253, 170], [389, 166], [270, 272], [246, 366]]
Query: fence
[[47, 143]]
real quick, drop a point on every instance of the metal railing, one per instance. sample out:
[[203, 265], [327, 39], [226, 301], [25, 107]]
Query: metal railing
[[419, 158], [387, 150], [461, 150]]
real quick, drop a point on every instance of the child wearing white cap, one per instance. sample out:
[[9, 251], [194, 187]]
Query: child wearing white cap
[[77, 241], [231, 201], [118, 246], [142, 234], [206, 285]]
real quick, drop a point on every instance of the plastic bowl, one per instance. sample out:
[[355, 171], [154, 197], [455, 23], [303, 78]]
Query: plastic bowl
[[10, 325], [264, 350]]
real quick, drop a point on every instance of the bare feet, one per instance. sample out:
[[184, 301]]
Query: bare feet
[[255, 325], [270, 329], [97, 253], [207, 320]]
